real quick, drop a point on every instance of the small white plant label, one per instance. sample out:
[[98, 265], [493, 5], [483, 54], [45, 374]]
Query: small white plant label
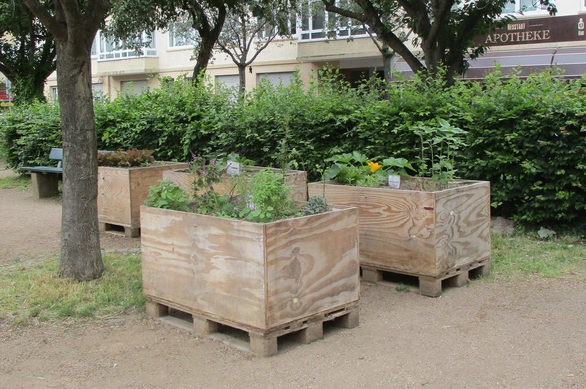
[[250, 204], [395, 182], [233, 168]]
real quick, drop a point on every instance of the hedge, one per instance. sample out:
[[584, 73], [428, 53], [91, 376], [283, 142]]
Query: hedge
[[528, 137]]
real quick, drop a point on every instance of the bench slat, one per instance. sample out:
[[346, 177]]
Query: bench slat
[[41, 169]]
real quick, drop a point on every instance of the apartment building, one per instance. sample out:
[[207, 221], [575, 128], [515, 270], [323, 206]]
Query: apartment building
[[533, 43]]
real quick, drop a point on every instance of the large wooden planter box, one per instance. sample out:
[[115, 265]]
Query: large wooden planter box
[[266, 279], [296, 179], [121, 192], [433, 235]]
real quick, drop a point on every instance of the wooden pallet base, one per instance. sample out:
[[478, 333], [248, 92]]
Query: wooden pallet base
[[263, 344], [432, 286], [129, 232]]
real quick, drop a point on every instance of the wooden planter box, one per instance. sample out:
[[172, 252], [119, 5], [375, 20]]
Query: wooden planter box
[[121, 192], [296, 179], [266, 279], [433, 235]]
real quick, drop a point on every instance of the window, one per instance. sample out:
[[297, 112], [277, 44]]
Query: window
[[231, 81], [135, 87], [110, 48], [276, 79], [524, 7], [54, 94], [316, 23], [313, 20], [182, 34]]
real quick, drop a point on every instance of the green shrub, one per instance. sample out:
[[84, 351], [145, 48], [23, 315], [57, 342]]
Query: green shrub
[[528, 137], [27, 134]]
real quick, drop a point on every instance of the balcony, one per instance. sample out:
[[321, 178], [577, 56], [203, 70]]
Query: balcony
[[131, 66]]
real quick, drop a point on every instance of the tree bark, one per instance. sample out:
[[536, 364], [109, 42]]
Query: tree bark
[[204, 55], [241, 80], [81, 258], [387, 64]]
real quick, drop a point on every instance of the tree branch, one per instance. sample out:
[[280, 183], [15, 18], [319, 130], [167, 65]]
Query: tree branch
[[442, 14], [96, 11], [331, 7], [55, 28], [71, 11], [227, 51], [388, 36], [261, 48]]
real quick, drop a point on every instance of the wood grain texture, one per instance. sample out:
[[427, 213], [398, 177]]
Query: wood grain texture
[[402, 231], [212, 265], [312, 264], [296, 179], [114, 196], [462, 226], [121, 191], [232, 270]]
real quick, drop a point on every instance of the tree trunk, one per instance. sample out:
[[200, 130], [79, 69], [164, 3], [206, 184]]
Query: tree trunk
[[81, 258], [388, 65], [241, 80], [204, 55]]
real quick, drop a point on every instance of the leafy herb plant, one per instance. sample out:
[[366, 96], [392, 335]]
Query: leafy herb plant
[[357, 169], [265, 197], [168, 196]]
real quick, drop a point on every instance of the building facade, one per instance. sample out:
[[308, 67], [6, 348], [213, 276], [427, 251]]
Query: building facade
[[533, 43]]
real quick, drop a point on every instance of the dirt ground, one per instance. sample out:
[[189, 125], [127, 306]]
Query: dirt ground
[[29, 228], [490, 334]]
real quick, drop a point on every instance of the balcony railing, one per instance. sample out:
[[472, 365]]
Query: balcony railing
[[109, 49]]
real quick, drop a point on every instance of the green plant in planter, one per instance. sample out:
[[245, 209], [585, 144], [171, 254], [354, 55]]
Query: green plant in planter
[[264, 197], [128, 158], [168, 196], [438, 143], [315, 205], [357, 169]]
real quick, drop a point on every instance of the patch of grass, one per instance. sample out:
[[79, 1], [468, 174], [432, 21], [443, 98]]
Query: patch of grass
[[15, 182], [525, 255], [34, 293]]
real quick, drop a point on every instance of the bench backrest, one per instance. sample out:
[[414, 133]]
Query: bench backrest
[[56, 154]]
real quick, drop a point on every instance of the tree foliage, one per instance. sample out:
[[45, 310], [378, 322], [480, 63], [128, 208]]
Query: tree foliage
[[445, 30], [534, 154], [27, 51]]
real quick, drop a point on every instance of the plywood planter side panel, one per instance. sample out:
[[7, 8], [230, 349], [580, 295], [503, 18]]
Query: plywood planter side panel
[[114, 196], [121, 191], [257, 276], [312, 265], [418, 232], [462, 225], [208, 265]]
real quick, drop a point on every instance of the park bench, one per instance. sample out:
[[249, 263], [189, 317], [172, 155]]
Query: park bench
[[45, 178]]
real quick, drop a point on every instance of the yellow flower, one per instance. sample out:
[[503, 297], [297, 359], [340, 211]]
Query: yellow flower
[[374, 166]]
